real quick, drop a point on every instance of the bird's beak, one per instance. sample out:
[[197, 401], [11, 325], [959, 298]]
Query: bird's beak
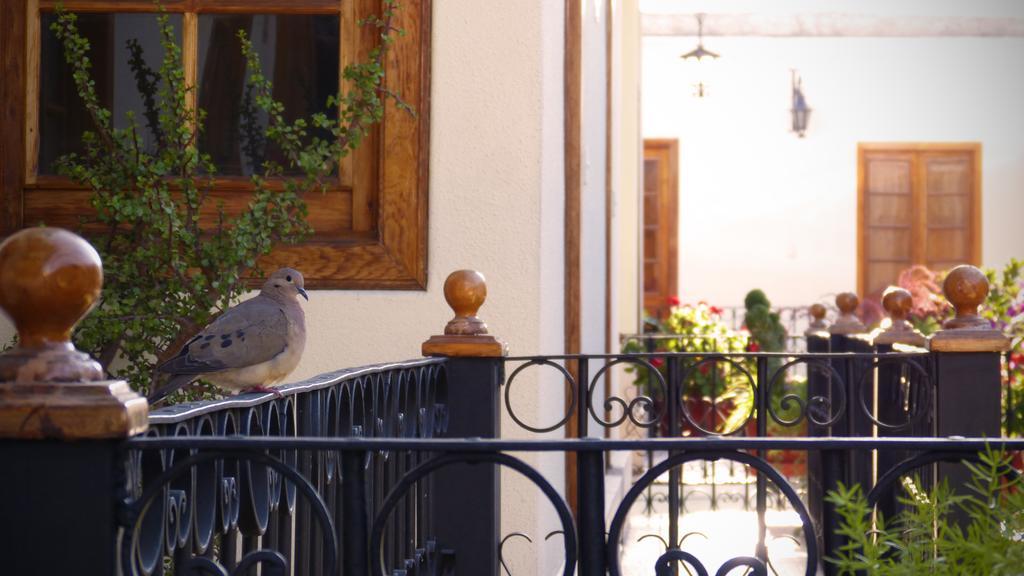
[[303, 293]]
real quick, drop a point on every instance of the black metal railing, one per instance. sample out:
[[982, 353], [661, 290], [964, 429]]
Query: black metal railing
[[200, 514], [359, 543]]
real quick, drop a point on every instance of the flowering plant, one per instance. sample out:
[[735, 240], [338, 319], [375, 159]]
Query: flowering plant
[[1005, 308], [929, 306], [698, 328]]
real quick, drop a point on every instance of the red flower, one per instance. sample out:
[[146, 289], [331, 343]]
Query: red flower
[[657, 362], [705, 368], [716, 310], [673, 300], [753, 347], [1016, 359]]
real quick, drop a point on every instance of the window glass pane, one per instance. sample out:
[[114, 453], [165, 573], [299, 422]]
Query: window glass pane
[[62, 117], [298, 54]]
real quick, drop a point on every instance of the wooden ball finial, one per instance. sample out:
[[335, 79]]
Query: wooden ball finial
[[847, 302], [818, 323], [49, 279], [966, 288], [465, 334], [897, 302], [847, 323], [465, 291]]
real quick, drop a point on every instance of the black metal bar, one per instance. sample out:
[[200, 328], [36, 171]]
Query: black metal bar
[[473, 412], [591, 520], [833, 462], [673, 398], [761, 550], [355, 534], [59, 494]]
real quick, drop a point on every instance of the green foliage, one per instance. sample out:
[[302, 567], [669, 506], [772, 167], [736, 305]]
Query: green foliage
[[1005, 308], [167, 273], [764, 325], [924, 539]]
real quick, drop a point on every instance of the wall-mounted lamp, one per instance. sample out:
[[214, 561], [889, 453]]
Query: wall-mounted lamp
[[800, 111], [700, 54]]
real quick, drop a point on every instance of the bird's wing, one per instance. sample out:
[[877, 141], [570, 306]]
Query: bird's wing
[[251, 333]]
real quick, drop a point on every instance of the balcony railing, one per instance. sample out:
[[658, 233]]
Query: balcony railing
[[394, 469]]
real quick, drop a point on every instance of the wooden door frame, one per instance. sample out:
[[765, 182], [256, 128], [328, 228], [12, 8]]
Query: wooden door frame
[[972, 148], [671, 147]]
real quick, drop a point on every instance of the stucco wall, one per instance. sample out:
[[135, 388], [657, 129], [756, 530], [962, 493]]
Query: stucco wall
[[760, 207]]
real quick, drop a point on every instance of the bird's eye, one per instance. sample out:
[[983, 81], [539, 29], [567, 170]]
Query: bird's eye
[[288, 278], [277, 285]]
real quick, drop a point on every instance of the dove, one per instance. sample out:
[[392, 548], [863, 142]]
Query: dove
[[250, 347]]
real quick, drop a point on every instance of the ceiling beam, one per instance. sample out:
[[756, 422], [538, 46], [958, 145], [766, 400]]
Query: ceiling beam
[[797, 25]]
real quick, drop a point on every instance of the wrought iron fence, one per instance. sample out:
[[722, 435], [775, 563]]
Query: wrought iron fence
[[360, 541], [212, 513]]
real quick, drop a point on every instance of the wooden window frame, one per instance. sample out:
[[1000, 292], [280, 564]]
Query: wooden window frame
[[864, 148], [386, 247]]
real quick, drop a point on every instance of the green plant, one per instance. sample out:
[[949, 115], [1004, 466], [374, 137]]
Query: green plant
[[925, 539], [764, 325], [168, 271], [699, 329], [1005, 308]]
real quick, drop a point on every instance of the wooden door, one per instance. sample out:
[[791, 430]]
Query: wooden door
[[661, 224], [919, 204]]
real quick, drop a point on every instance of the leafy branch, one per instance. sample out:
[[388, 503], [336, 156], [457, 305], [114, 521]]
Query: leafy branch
[[170, 267]]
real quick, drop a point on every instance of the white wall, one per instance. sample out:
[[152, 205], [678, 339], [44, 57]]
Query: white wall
[[760, 207]]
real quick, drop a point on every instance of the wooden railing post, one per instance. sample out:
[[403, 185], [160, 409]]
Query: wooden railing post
[[60, 421], [967, 366], [467, 497], [900, 399]]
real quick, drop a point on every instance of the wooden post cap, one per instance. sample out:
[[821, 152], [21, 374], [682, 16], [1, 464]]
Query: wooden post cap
[[966, 288], [465, 334], [898, 303], [818, 323], [49, 280], [847, 322]]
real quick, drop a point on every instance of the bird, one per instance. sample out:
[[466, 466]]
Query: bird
[[251, 347]]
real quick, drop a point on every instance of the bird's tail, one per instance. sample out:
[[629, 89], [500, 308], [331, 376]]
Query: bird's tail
[[176, 382]]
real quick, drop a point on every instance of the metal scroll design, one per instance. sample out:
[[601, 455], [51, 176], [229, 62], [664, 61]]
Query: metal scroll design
[[674, 554], [411, 478], [821, 409], [629, 409], [717, 393], [143, 554], [569, 380], [909, 387], [215, 514]]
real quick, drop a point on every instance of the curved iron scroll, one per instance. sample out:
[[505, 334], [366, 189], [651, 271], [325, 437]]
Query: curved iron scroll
[[430, 466], [134, 558], [615, 530]]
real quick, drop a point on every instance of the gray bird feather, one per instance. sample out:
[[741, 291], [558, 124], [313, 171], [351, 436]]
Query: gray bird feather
[[253, 344]]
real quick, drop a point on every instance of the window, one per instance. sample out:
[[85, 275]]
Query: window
[[370, 226], [918, 204]]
